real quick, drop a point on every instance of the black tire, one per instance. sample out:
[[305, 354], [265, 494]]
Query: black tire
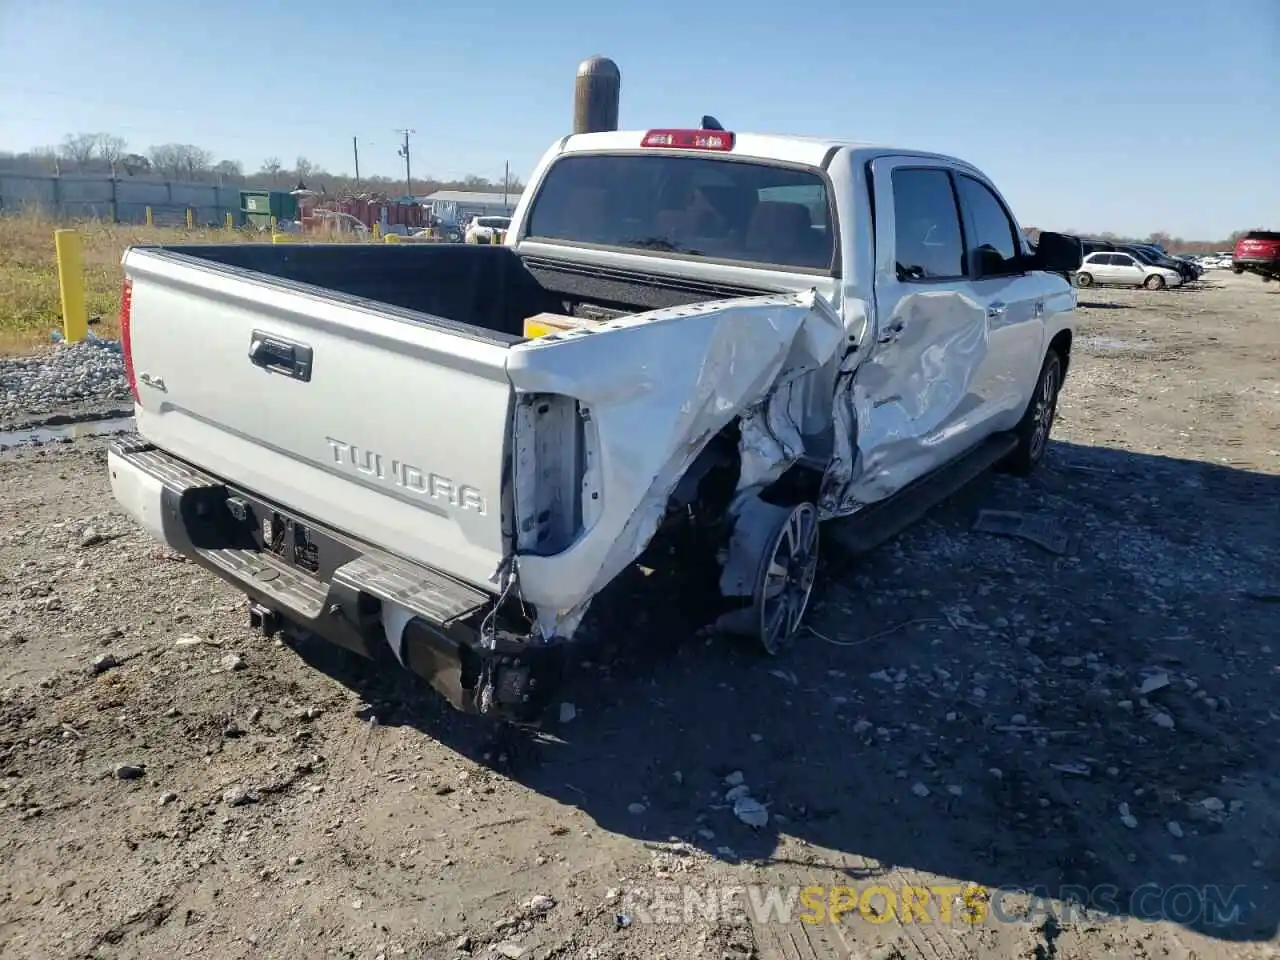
[[1084, 279], [1154, 282], [1034, 428]]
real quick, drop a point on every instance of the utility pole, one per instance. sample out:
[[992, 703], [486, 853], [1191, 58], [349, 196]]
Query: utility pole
[[355, 149], [404, 152], [506, 180]]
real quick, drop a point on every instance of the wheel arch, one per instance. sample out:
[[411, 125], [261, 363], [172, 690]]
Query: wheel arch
[[1061, 344]]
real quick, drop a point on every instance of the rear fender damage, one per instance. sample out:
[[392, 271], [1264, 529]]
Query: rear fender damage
[[609, 419]]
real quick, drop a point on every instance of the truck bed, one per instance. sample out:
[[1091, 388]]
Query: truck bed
[[489, 289]]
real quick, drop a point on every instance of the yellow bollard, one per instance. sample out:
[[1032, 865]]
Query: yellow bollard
[[151, 220], [75, 315], [231, 221], [273, 224], [391, 238], [280, 238], [191, 218], [377, 231]]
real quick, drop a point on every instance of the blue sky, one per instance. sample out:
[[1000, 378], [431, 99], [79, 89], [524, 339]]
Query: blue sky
[[1130, 115]]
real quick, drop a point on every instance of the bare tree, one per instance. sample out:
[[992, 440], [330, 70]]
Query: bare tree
[[304, 168], [195, 160], [166, 159], [228, 169], [46, 160], [78, 148], [181, 160], [111, 150], [272, 167]]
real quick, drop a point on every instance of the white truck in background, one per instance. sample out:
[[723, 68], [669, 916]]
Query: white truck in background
[[771, 333]]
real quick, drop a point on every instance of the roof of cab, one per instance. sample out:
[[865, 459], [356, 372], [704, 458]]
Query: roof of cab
[[811, 151]]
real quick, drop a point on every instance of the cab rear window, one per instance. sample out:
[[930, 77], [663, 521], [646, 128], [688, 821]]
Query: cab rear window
[[756, 213]]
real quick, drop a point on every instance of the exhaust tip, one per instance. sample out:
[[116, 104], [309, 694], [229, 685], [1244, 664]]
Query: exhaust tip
[[596, 94]]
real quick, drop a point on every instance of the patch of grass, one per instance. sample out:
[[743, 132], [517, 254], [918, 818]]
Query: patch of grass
[[30, 303]]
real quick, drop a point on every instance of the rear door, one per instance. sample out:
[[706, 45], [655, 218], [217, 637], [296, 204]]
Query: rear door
[[377, 421], [1012, 297]]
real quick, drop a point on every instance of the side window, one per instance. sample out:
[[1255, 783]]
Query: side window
[[1121, 260], [994, 245], [1105, 259], [926, 222]]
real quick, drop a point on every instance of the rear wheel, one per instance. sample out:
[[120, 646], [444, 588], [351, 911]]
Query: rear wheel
[[1154, 282], [786, 577], [1084, 279], [1037, 422], [773, 562]]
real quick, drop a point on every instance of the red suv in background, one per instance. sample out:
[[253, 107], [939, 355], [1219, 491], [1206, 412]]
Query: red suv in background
[[1258, 251]]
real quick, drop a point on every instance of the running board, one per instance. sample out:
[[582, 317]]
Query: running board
[[879, 523]]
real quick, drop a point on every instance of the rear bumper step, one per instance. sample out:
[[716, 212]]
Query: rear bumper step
[[321, 582]]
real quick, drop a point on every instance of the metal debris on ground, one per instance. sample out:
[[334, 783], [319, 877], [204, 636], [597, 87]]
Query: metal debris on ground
[[1044, 532]]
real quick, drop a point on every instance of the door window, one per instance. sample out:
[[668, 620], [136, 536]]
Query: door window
[[929, 239], [996, 251], [1121, 260]]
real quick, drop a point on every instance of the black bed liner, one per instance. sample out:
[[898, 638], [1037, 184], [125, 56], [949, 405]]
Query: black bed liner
[[489, 287]]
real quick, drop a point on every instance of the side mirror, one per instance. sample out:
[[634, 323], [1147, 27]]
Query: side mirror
[[1057, 253]]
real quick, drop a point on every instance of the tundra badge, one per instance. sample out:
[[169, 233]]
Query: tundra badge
[[406, 476]]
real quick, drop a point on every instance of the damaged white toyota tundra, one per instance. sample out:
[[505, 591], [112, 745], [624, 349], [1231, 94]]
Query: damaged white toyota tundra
[[449, 450]]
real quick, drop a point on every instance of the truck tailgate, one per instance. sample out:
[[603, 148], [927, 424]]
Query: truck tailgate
[[365, 416]]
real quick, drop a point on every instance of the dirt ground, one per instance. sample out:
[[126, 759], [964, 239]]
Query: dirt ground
[[967, 710]]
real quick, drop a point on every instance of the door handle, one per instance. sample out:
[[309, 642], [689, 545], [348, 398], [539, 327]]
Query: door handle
[[277, 355], [891, 333], [996, 310], [1039, 309]]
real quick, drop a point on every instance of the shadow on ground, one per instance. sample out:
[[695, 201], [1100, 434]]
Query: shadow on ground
[[965, 707]]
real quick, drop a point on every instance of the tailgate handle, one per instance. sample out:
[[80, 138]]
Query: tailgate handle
[[277, 355]]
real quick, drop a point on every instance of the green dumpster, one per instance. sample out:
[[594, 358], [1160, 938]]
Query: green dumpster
[[257, 207]]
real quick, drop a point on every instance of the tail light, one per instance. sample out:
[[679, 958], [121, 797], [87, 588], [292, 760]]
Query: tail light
[[689, 139], [126, 338], [1257, 247]]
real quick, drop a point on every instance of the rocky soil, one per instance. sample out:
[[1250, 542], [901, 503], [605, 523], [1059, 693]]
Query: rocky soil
[[968, 709]]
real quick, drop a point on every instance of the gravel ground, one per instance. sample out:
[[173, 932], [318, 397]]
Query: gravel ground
[[70, 380], [969, 710]]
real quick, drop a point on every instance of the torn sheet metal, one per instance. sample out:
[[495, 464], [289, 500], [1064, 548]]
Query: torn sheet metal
[[835, 497], [770, 440], [656, 388]]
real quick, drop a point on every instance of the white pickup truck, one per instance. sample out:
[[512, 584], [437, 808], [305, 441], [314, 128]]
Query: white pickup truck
[[773, 332]]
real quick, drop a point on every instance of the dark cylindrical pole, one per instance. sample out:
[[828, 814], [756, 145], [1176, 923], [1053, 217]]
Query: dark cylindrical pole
[[595, 96]]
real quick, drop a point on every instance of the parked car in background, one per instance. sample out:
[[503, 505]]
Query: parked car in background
[[1258, 251], [1151, 256], [1121, 267], [487, 229]]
